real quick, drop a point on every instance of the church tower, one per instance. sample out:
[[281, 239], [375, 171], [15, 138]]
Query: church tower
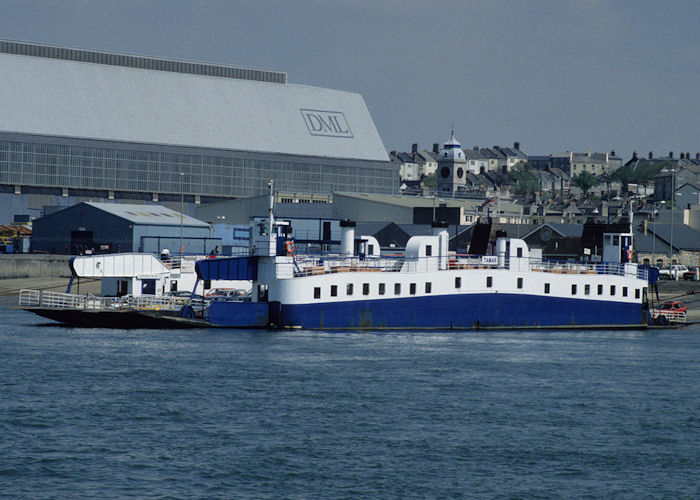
[[452, 168]]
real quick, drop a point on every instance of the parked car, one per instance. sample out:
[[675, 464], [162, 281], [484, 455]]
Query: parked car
[[691, 273], [673, 305], [676, 270]]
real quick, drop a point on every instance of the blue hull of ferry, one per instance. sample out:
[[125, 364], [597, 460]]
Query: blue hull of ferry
[[496, 310]]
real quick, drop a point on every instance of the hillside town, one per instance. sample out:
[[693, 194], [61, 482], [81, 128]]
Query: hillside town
[[556, 194]]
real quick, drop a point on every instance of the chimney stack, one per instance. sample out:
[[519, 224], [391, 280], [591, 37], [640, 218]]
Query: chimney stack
[[682, 156], [651, 155], [670, 154], [436, 148], [347, 237], [414, 147], [516, 145], [697, 156]]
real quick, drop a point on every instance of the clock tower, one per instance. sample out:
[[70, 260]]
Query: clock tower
[[451, 168]]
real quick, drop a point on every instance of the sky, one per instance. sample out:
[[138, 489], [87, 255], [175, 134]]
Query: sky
[[555, 75]]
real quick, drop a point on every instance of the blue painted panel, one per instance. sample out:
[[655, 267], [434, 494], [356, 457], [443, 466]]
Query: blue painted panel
[[229, 268], [461, 311], [239, 314]]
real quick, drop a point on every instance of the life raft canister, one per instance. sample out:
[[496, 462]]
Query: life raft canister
[[289, 246]]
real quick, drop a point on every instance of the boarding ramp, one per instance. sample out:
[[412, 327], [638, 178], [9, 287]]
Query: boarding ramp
[[57, 300]]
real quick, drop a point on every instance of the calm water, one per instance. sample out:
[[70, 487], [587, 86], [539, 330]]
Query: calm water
[[240, 414]]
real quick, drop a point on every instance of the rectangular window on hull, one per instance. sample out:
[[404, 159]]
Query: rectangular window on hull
[[612, 290], [573, 289], [334, 290], [428, 287], [412, 289], [546, 288], [458, 282], [636, 293], [348, 290], [489, 281], [317, 292], [600, 289], [586, 289], [624, 291], [382, 287], [365, 288], [520, 282], [397, 288]]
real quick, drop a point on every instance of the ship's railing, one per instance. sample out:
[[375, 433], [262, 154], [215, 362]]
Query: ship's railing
[[611, 268], [57, 300], [314, 265], [309, 266]]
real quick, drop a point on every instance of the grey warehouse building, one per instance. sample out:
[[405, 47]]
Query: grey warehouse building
[[111, 227], [78, 125]]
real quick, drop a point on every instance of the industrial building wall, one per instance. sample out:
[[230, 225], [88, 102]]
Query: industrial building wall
[[98, 125], [81, 228], [153, 239], [110, 169], [346, 207]]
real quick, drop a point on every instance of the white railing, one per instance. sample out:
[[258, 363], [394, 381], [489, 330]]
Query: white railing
[[56, 300], [309, 266], [671, 316]]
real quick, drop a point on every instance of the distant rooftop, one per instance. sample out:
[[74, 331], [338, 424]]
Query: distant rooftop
[[154, 215], [142, 62]]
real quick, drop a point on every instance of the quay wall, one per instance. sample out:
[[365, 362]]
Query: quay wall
[[13, 266]]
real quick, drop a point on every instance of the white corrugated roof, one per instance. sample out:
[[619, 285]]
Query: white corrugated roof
[[155, 215], [96, 101]]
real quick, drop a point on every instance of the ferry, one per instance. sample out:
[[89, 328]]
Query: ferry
[[429, 286], [426, 287]]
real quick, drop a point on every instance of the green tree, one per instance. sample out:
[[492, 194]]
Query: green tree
[[524, 179], [585, 180], [430, 180], [645, 171], [624, 174]]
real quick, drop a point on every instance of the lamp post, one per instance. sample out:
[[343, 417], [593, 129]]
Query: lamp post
[[182, 208], [653, 241], [673, 202]]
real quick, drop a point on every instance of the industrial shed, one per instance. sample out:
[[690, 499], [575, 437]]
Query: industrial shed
[[91, 227]]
